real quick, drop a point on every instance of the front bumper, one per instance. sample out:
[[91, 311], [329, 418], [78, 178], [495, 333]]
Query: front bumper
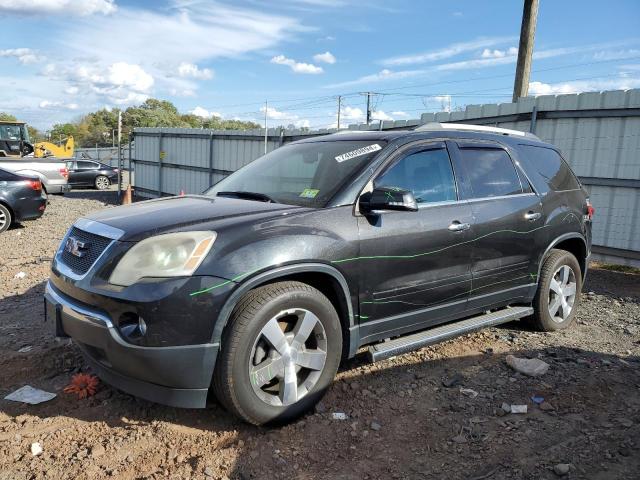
[[176, 375]]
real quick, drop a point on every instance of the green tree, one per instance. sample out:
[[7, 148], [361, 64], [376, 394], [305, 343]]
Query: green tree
[[7, 117]]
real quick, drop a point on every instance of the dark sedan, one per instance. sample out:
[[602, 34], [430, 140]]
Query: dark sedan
[[21, 198], [88, 173]]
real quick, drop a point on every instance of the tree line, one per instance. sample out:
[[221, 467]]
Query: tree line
[[97, 128]]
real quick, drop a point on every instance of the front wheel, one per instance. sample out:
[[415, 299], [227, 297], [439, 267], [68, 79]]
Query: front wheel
[[558, 292], [102, 182], [280, 353]]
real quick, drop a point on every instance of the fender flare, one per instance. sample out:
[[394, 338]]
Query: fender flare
[[557, 240], [278, 272]]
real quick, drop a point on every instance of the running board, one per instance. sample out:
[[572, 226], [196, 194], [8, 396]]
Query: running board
[[435, 335]]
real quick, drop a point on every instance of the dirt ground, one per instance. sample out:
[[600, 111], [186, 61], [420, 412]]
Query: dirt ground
[[434, 413]]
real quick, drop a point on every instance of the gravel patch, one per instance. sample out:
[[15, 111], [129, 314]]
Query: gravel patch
[[406, 417]]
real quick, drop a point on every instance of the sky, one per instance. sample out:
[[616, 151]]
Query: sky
[[60, 59]]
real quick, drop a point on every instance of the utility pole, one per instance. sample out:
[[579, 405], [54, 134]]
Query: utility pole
[[368, 107], [120, 162], [339, 108], [525, 49], [266, 109]]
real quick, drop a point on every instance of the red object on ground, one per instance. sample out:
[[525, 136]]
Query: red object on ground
[[182, 193], [83, 385]]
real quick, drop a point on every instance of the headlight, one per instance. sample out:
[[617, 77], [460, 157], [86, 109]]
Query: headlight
[[169, 255]]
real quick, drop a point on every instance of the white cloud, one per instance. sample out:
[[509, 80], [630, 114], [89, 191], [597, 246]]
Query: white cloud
[[204, 113], [192, 70], [443, 102], [381, 115], [24, 55], [123, 74], [120, 83], [191, 31], [616, 54], [496, 53], [578, 86], [285, 117], [354, 114], [349, 115], [326, 57], [297, 67], [57, 105], [184, 92], [66, 7], [276, 114], [72, 90], [446, 52], [382, 75], [491, 58]]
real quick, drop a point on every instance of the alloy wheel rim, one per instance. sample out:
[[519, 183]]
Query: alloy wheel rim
[[288, 357], [562, 293], [102, 183], [3, 219]]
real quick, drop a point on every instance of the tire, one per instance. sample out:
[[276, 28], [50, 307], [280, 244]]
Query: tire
[[101, 182], [5, 218], [283, 310], [552, 287]]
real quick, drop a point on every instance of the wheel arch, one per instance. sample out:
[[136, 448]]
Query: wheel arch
[[6, 205], [573, 243], [325, 278]]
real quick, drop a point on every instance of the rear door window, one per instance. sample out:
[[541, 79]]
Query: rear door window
[[427, 173], [490, 172], [550, 171], [87, 165]]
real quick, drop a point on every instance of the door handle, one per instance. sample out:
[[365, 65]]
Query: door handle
[[456, 226], [531, 216]]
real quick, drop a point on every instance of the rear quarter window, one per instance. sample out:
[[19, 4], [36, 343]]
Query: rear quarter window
[[547, 169]]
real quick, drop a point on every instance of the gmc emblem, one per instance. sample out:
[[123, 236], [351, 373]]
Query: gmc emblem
[[76, 248]]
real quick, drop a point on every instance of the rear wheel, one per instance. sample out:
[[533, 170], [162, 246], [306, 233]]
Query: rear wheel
[[558, 292], [280, 353], [102, 182], [5, 218]]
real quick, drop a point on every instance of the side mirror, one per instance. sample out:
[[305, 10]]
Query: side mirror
[[388, 198]]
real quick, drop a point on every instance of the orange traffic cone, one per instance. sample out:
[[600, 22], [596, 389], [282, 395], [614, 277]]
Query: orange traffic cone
[[126, 199]]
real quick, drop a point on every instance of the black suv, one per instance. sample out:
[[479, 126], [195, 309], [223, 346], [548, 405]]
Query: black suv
[[258, 288]]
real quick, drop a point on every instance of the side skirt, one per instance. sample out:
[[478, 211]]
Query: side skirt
[[408, 343]]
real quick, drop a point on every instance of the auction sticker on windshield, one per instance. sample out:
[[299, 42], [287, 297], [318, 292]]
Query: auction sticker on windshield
[[359, 152], [309, 193]]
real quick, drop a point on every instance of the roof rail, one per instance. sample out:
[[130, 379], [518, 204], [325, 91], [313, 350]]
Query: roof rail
[[475, 128]]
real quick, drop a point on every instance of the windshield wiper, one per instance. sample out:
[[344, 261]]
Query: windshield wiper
[[261, 197]]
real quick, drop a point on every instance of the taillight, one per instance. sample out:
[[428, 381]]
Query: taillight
[[64, 171], [590, 210], [35, 184]]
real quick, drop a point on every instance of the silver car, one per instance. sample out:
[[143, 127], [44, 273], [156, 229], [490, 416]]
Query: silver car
[[53, 173]]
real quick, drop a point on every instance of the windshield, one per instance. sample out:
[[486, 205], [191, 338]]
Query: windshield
[[10, 132], [305, 174]]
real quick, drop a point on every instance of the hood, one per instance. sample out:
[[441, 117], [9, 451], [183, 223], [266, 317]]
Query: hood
[[163, 215]]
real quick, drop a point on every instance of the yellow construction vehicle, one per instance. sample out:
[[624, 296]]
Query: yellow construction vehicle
[[47, 149], [15, 142]]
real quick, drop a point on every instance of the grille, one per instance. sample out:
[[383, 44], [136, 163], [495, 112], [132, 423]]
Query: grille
[[95, 245]]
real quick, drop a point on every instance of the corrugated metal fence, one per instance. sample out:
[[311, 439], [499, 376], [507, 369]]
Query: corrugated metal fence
[[597, 132], [106, 155]]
